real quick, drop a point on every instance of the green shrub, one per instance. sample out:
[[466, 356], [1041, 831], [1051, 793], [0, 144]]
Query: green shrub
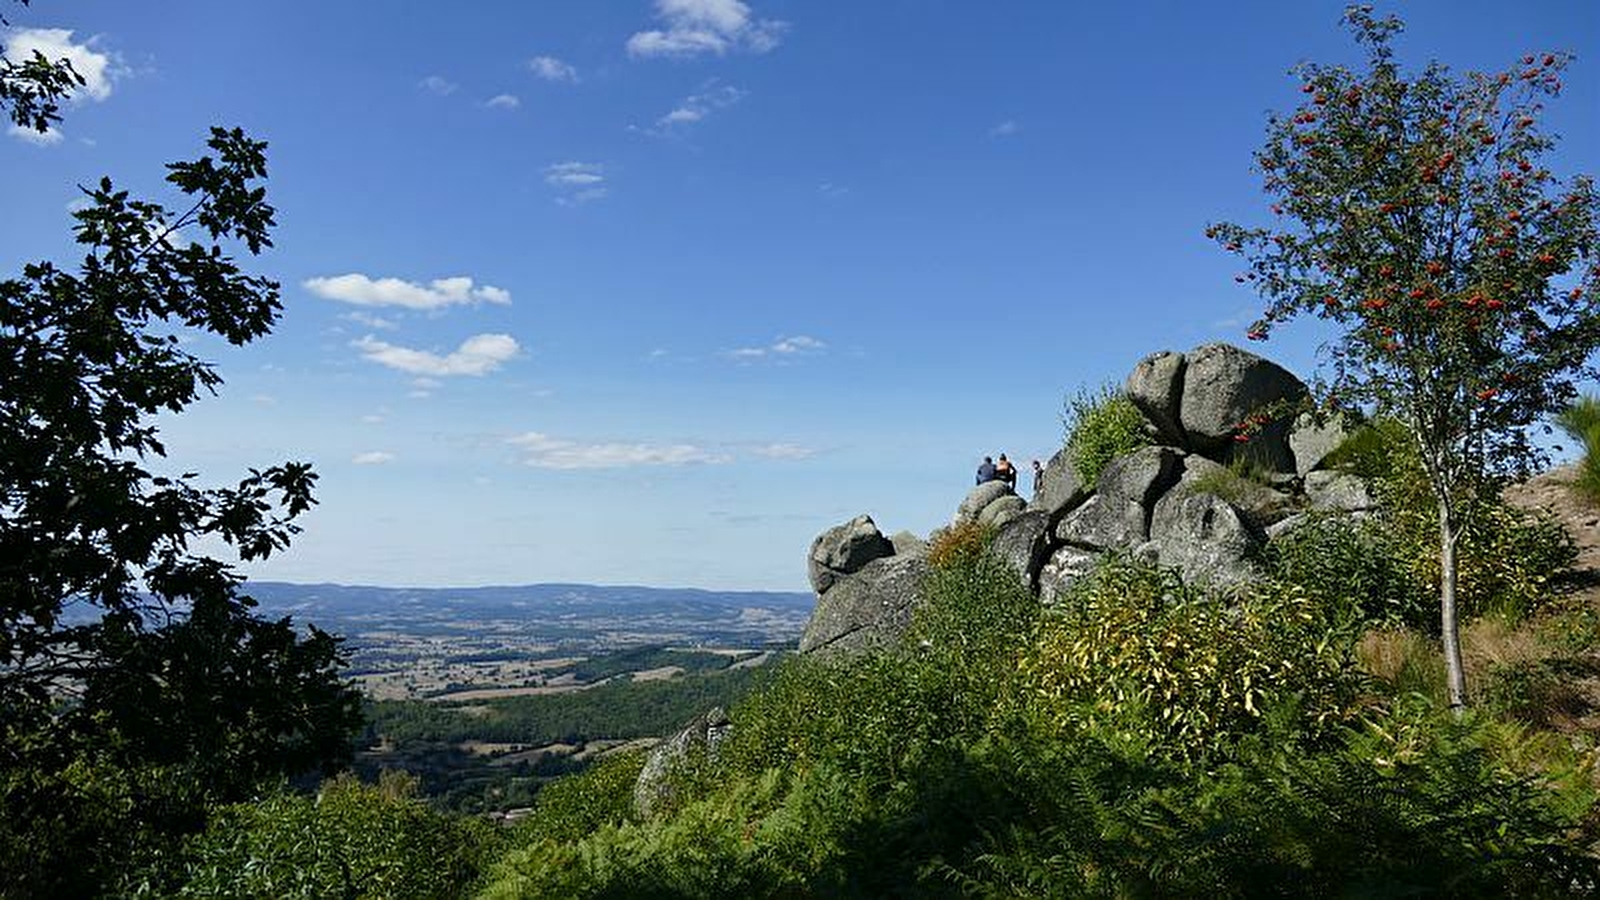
[[1101, 425], [1408, 802], [1581, 422], [570, 807], [350, 840], [1506, 558], [1139, 652], [1355, 564]]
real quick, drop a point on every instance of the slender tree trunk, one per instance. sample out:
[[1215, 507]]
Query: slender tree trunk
[[1455, 675]]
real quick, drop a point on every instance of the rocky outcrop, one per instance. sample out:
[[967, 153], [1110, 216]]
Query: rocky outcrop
[[1002, 511], [1337, 492], [1205, 536], [1310, 441], [1065, 566], [1117, 516], [1200, 499]]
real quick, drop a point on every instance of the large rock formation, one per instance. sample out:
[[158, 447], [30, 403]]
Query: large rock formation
[[1200, 499]]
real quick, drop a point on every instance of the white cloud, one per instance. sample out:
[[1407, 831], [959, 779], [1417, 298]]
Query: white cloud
[[570, 174], [441, 292], [545, 452], [372, 419], [438, 85], [56, 44], [47, 138], [799, 345], [693, 27], [503, 101], [696, 107], [551, 69], [372, 458], [1004, 129], [578, 182], [477, 355], [784, 451]]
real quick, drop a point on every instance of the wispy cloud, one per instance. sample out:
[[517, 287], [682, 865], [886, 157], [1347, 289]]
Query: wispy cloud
[[372, 458], [370, 320], [695, 27], [503, 101], [361, 290], [550, 68], [477, 355], [696, 108], [784, 451], [546, 452], [576, 182], [1005, 129], [784, 347], [438, 85]]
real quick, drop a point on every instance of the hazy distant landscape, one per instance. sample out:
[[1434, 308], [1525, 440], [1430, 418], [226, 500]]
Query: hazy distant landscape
[[458, 643]]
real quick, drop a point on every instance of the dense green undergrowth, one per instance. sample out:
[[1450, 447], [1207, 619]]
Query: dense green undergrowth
[[1144, 739]]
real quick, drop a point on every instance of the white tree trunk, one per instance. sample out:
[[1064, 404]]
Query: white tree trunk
[[1450, 626]]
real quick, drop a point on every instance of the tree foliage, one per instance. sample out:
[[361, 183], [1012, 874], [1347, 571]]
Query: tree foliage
[[123, 647], [1416, 215]]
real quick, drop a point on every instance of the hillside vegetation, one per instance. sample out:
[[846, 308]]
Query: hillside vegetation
[[1142, 737]]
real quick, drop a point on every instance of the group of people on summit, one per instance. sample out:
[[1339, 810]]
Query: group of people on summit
[[989, 470]]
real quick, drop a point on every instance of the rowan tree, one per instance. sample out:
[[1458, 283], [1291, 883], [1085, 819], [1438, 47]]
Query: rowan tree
[[1415, 212]]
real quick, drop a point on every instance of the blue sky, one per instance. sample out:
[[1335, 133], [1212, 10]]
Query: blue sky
[[652, 292]]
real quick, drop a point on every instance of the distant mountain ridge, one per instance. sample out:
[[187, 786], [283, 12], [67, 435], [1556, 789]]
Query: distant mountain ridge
[[587, 614]]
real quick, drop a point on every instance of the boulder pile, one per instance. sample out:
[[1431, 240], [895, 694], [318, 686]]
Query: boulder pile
[[1181, 501]]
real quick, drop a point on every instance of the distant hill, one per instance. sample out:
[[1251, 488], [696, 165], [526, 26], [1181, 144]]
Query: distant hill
[[312, 600], [568, 614]]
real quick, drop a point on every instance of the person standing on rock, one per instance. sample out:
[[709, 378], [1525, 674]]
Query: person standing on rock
[[1006, 472], [1038, 477], [986, 471]]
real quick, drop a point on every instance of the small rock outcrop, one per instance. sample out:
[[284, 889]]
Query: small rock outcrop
[[703, 735]]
